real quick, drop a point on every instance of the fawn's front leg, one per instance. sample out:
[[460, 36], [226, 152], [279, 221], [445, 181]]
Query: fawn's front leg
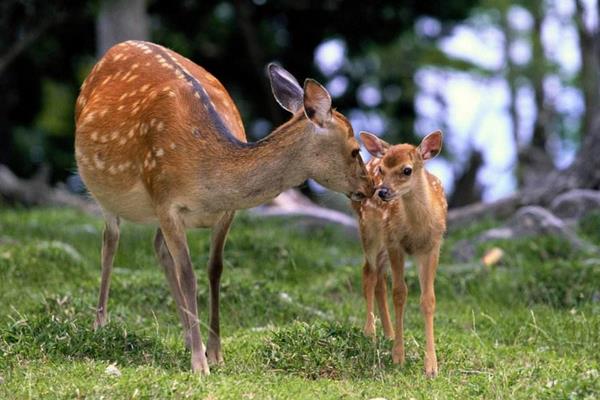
[[381, 296], [427, 267], [399, 294], [369, 282], [215, 268]]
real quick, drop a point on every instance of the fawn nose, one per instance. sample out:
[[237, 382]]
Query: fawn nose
[[383, 193]]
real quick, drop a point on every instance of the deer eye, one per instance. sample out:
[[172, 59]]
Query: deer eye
[[355, 153], [407, 171]]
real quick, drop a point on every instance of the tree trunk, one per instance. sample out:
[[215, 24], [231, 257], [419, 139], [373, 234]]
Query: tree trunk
[[121, 20]]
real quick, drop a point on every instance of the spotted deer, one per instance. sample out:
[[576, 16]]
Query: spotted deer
[[159, 141], [406, 216]]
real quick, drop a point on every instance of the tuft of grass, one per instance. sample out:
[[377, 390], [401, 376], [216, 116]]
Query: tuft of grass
[[323, 350]]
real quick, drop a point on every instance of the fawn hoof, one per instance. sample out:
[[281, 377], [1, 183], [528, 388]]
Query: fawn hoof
[[398, 355], [431, 368], [389, 335], [369, 329], [431, 372]]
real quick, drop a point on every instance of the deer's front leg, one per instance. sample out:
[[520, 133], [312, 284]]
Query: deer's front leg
[[427, 268], [399, 294], [110, 242], [174, 235], [215, 268]]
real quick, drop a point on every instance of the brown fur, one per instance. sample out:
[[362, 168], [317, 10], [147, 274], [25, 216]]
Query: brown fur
[[159, 140], [412, 223]]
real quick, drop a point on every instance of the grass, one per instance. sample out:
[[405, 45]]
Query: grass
[[292, 313]]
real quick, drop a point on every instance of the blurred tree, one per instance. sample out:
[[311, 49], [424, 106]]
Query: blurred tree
[[234, 39], [120, 20]]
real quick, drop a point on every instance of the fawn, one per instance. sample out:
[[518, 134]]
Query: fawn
[[406, 216], [159, 140]]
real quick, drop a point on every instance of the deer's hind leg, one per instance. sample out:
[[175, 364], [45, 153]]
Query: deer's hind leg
[[110, 242]]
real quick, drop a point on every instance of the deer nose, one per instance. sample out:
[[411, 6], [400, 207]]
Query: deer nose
[[383, 193]]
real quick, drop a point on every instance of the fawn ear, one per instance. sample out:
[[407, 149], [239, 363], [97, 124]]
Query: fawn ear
[[374, 145], [317, 102], [431, 145], [286, 89]]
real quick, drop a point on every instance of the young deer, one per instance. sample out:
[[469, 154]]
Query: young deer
[[158, 140], [406, 216]]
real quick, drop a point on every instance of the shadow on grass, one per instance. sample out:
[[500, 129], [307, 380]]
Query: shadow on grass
[[68, 334]]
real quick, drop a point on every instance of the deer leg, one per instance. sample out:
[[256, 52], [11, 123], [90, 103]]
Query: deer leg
[[215, 268], [369, 281], [166, 261], [399, 293], [427, 268], [110, 242], [381, 296], [174, 235]]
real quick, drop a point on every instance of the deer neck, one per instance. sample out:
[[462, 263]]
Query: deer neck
[[259, 171]]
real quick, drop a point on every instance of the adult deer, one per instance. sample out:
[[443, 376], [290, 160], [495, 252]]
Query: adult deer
[[159, 140], [407, 216]]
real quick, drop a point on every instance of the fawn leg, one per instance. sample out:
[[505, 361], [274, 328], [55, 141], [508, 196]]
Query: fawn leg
[[215, 268], [427, 268], [168, 265], [381, 296], [174, 235], [369, 281], [110, 242], [399, 293]]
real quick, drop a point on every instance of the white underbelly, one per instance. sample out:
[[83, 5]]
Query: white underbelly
[[133, 205]]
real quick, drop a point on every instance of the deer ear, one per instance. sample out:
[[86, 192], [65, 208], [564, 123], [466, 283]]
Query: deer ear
[[431, 145], [286, 89], [374, 145], [317, 102]]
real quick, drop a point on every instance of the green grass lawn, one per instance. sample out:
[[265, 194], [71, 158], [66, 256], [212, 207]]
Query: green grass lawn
[[292, 313]]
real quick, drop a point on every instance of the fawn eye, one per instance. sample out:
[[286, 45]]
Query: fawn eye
[[355, 153], [407, 171]]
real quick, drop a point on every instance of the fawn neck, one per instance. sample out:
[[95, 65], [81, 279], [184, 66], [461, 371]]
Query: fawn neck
[[260, 171], [417, 202]]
